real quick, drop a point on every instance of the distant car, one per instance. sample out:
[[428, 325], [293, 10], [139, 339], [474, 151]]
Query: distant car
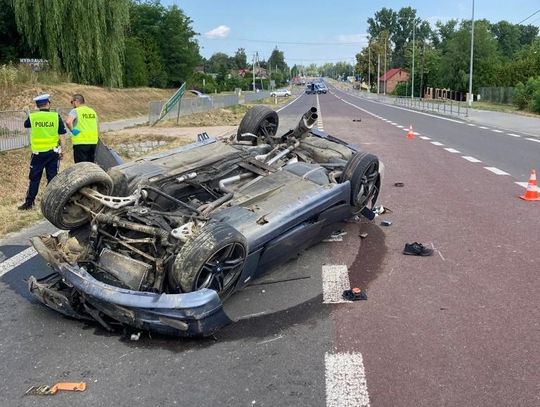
[[311, 88], [280, 92], [321, 88], [198, 94]]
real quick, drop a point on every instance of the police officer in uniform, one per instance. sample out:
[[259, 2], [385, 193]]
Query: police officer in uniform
[[47, 141], [83, 123]]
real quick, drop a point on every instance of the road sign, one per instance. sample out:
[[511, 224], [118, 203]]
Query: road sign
[[171, 103]]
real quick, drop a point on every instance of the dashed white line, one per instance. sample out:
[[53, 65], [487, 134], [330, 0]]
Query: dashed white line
[[471, 124], [482, 127], [436, 143], [452, 150], [346, 384], [471, 159], [497, 171], [513, 135], [523, 184], [533, 139], [496, 131], [335, 280], [320, 124], [395, 124], [16, 260], [399, 126], [425, 138]]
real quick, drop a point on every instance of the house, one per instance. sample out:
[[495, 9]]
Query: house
[[391, 79]]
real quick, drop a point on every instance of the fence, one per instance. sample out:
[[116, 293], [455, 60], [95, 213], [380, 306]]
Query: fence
[[12, 132], [497, 95], [444, 106]]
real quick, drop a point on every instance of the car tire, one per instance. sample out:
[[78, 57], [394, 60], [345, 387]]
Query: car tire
[[260, 121], [212, 259], [362, 171], [58, 202]]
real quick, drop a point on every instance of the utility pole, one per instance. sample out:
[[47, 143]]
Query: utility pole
[[369, 68], [472, 53], [385, 39], [378, 72], [413, 47], [253, 72]]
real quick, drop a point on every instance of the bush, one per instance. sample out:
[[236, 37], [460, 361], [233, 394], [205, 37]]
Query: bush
[[527, 96]]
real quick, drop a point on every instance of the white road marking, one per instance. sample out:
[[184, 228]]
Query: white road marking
[[399, 126], [497, 171], [395, 124], [436, 143], [320, 124], [513, 135], [15, 261], [523, 184], [482, 127], [471, 124], [533, 139], [452, 150], [471, 159], [425, 138], [496, 131], [287, 105], [335, 280], [346, 384]]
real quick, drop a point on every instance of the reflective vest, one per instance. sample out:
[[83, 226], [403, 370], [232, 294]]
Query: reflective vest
[[43, 131], [88, 126]]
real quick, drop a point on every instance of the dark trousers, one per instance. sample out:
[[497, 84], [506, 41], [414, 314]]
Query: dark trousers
[[84, 152], [48, 161]]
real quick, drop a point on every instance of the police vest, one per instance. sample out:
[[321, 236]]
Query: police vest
[[43, 131], [88, 126]]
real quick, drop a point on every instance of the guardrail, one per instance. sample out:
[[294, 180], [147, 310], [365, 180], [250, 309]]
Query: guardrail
[[13, 135], [443, 106]]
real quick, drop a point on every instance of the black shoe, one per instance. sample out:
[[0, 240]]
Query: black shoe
[[417, 249], [25, 206]]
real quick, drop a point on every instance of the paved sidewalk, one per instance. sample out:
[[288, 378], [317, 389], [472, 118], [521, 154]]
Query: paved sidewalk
[[122, 124], [507, 121]]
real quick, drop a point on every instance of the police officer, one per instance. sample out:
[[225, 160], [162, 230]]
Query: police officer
[[47, 131], [83, 123]]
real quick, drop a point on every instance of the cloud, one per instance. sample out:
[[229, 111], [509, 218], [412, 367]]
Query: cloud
[[348, 38], [219, 32]]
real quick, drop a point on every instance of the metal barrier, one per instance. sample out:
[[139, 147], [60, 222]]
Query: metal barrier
[[443, 106], [12, 132]]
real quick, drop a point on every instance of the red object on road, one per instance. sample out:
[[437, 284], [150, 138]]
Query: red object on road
[[532, 189], [410, 133]]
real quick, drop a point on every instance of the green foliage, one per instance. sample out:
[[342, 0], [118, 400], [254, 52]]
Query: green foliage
[[135, 70], [85, 39], [527, 96], [202, 82]]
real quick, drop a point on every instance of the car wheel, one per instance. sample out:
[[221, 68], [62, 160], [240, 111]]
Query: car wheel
[[362, 171], [260, 121], [213, 259], [61, 197]]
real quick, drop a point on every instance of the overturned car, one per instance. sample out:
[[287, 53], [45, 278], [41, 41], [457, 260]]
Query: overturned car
[[159, 243]]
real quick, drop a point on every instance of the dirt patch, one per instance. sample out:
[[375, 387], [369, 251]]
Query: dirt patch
[[110, 104]]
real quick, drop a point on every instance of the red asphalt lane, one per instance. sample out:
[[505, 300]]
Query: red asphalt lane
[[457, 328]]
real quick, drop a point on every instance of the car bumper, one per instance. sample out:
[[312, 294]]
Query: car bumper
[[198, 313]]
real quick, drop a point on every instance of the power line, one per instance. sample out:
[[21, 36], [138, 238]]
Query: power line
[[290, 42], [536, 12]]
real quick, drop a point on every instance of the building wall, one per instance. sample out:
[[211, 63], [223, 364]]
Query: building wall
[[401, 76]]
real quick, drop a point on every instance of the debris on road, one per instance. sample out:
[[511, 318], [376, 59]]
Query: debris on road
[[386, 223], [399, 184], [44, 390], [363, 235], [417, 249], [354, 294], [379, 210], [336, 236], [135, 337]]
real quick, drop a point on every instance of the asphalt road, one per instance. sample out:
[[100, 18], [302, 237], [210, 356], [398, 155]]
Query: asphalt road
[[458, 328]]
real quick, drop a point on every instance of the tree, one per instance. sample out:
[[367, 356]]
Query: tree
[[179, 50], [135, 70], [12, 45], [218, 62], [384, 20], [83, 38], [240, 59], [277, 61]]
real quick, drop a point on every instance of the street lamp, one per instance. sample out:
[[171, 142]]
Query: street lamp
[[472, 53], [413, 46]]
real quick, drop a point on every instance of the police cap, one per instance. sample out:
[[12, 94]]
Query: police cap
[[44, 98]]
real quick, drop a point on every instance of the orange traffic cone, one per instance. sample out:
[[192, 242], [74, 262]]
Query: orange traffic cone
[[532, 189], [410, 133]]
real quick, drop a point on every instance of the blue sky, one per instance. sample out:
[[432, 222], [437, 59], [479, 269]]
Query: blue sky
[[318, 31]]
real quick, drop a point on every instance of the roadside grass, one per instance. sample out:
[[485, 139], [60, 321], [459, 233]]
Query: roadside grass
[[504, 108]]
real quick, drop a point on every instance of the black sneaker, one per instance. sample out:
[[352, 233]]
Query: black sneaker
[[25, 207], [417, 249]]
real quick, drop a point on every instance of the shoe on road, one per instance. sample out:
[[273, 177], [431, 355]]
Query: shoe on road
[[417, 249]]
